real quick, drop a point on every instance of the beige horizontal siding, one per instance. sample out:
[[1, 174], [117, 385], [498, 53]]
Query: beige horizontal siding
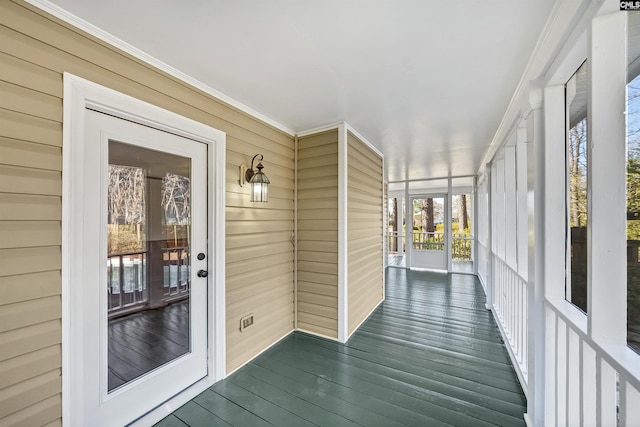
[[364, 231], [35, 49], [318, 233]]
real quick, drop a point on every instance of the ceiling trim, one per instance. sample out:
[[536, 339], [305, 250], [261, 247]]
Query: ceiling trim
[[83, 25], [555, 32]]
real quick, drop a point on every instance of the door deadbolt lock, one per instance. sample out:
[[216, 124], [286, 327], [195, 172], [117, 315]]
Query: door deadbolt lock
[[203, 273], [201, 256]]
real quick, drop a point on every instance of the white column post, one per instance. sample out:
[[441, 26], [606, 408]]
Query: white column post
[[489, 244], [536, 252], [343, 250], [521, 188], [448, 229], [408, 225], [606, 226]]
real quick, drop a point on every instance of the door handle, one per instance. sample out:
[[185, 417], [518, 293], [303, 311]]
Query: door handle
[[203, 273]]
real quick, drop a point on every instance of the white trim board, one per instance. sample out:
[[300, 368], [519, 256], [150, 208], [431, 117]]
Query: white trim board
[[343, 236], [78, 95], [83, 25]]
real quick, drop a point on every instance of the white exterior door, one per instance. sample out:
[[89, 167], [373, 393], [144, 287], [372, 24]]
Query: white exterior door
[[429, 237], [143, 282]]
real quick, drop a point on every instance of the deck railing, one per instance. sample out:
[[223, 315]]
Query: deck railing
[[395, 242], [127, 280], [587, 384], [127, 275], [429, 241], [177, 271], [461, 246], [510, 305]]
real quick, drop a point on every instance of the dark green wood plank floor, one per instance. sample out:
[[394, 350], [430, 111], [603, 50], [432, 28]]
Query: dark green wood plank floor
[[430, 355]]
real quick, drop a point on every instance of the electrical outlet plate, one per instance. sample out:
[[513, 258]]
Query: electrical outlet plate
[[246, 321]]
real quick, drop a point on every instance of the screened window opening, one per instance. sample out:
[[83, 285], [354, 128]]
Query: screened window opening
[[577, 215], [633, 182]]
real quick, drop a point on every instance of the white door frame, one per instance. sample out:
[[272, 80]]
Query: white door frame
[[79, 94], [447, 241]]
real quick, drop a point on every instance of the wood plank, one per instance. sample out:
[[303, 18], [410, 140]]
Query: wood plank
[[329, 324], [41, 413], [22, 368], [355, 143], [313, 173], [24, 287], [261, 407], [317, 256], [18, 180], [30, 128], [330, 182], [317, 407], [318, 288], [171, 421], [38, 156], [318, 161], [27, 74], [315, 299], [30, 260], [31, 102], [299, 380], [323, 138], [30, 207], [21, 314], [28, 392], [317, 203], [430, 355], [321, 150], [193, 414], [317, 267], [28, 234]]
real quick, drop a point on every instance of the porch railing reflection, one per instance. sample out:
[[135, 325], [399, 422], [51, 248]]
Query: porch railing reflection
[[127, 279]]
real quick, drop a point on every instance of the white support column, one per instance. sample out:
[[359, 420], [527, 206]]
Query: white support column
[[343, 285], [536, 250], [448, 229], [489, 244], [606, 227], [510, 207], [474, 226], [408, 225], [521, 188]]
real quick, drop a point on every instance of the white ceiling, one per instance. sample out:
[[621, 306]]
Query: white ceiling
[[425, 81]]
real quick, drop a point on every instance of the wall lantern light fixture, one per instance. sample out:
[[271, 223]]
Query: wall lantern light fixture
[[258, 181]]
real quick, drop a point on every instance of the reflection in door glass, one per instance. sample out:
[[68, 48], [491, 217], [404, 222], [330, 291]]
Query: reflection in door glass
[[148, 260], [428, 224]]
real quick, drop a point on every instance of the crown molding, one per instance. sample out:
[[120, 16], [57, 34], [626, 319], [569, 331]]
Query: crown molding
[[106, 37]]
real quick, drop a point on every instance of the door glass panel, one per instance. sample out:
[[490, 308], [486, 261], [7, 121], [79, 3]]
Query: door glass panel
[[461, 235], [428, 224], [576, 117], [396, 232], [148, 260]]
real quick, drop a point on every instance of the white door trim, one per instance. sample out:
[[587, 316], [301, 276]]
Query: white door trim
[[436, 260], [79, 94]]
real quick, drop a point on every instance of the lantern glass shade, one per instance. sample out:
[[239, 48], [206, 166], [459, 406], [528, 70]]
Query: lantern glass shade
[[259, 186]]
